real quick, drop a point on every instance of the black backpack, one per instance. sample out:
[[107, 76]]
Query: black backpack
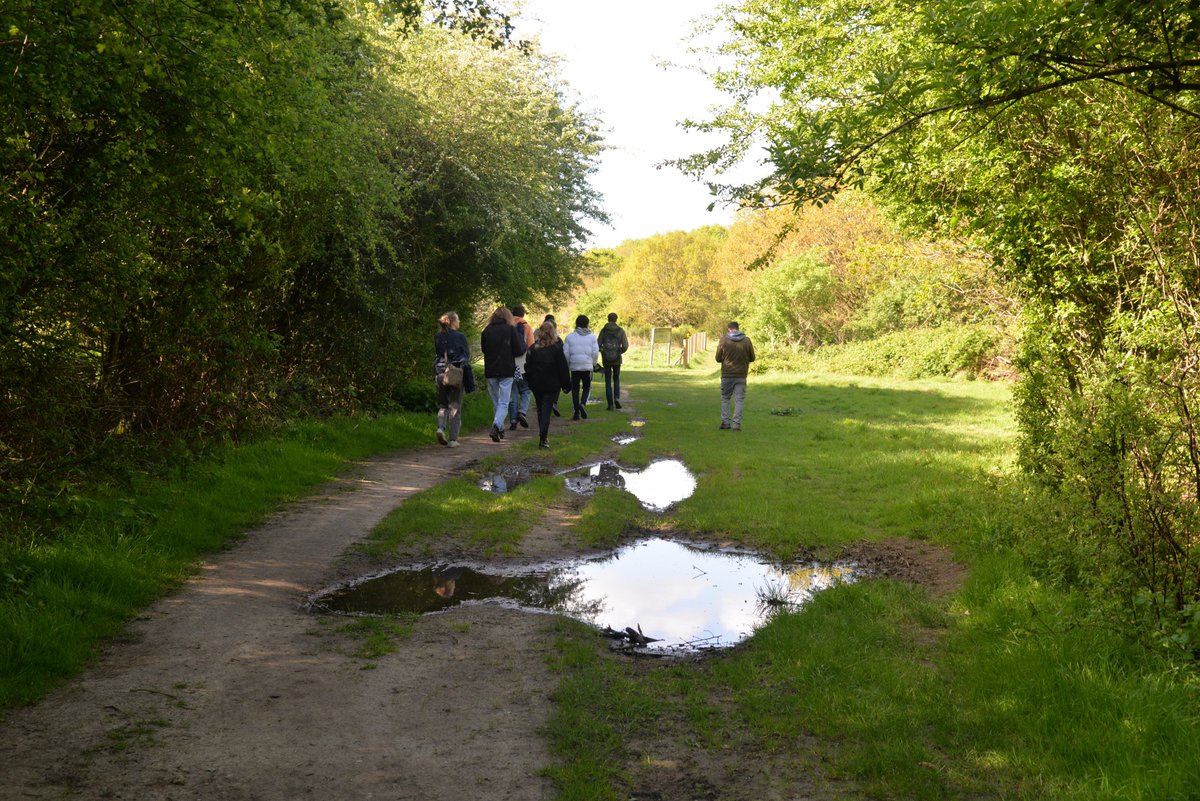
[[610, 346]]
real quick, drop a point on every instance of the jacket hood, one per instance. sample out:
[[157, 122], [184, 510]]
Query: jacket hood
[[735, 336]]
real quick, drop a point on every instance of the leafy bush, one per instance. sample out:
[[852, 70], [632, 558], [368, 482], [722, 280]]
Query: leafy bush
[[947, 351]]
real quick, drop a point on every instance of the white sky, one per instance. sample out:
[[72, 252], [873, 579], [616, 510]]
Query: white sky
[[612, 53]]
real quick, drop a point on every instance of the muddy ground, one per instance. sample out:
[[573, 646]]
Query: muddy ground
[[227, 689]]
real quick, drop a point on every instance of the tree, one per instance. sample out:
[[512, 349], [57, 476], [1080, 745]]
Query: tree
[[667, 279], [1062, 137], [218, 212]]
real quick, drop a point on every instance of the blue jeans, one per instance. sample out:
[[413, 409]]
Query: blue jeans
[[499, 389], [518, 400], [612, 383]]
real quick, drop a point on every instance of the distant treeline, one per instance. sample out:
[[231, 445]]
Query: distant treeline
[[222, 211], [802, 279]]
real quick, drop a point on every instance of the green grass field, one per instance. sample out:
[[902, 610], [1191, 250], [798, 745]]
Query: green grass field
[[1005, 688]]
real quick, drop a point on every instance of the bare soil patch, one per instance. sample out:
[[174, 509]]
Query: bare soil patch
[[914, 561]]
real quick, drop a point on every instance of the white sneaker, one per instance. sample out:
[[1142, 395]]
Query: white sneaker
[[453, 443], [441, 435]]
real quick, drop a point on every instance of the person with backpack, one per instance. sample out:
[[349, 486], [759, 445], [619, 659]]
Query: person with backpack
[[450, 349], [613, 342]]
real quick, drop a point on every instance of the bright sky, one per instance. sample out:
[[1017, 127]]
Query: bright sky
[[612, 53]]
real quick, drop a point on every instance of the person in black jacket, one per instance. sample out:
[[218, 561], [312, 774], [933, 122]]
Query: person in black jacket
[[450, 347], [501, 344], [547, 375], [613, 342]]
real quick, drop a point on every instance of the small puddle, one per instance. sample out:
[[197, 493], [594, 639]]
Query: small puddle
[[660, 485], [680, 598], [507, 480], [625, 439]]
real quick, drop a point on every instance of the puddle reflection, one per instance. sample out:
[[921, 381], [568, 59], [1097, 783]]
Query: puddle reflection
[[660, 485], [686, 598]]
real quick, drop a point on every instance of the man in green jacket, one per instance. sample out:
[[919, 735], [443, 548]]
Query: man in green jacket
[[734, 352]]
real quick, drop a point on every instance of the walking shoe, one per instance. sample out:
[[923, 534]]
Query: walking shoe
[[496, 433], [441, 435], [544, 444], [512, 426], [554, 410], [725, 426], [583, 412], [737, 427], [523, 420], [617, 404], [453, 443], [609, 407], [575, 416]]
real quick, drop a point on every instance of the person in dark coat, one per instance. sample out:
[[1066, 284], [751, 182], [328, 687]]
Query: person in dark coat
[[450, 347], [548, 376], [613, 343], [501, 344], [734, 352]]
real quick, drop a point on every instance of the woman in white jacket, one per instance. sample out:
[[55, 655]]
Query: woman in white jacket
[[582, 353]]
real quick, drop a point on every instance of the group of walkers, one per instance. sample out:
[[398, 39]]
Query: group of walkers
[[525, 367]]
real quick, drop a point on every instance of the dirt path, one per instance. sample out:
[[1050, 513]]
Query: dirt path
[[223, 691]]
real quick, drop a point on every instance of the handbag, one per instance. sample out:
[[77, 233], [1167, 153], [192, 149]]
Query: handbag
[[452, 376]]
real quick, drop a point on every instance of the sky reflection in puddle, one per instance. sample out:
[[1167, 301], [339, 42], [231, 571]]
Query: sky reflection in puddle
[[688, 598], [660, 485]]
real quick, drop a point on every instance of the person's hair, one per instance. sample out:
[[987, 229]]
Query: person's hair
[[518, 310], [581, 321], [501, 315], [545, 335], [612, 317], [733, 326], [447, 321], [549, 318]]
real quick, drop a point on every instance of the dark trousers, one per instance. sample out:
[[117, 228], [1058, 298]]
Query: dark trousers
[[545, 405], [581, 388], [612, 383]]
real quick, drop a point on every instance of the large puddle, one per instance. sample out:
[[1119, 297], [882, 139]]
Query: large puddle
[[655, 595], [657, 488]]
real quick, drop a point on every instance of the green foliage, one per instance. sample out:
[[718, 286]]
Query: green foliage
[[950, 351], [790, 302], [1061, 138], [220, 214], [667, 279]]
